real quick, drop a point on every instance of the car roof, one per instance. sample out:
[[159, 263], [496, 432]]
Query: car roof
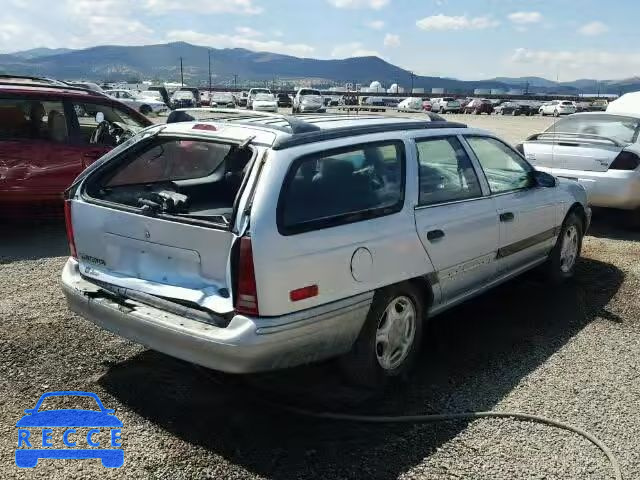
[[608, 114], [283, 131]]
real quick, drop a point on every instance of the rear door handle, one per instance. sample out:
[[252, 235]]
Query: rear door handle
[[507, 217], [435, 235]]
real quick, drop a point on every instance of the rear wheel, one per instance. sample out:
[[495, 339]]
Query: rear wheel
[[390, 338], [145, 109], [564, 256]]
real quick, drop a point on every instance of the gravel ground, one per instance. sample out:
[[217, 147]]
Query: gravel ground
[[571, 353]]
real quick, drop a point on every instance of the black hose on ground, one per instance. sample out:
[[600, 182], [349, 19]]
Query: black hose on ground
[[445, 417]]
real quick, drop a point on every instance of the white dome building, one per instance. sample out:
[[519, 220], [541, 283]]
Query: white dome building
[[375, 86]]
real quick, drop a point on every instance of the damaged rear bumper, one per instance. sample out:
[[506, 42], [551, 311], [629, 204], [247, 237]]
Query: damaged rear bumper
[[245, 345]]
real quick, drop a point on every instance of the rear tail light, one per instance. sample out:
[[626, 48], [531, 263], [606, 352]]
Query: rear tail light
[[247, 297], [625, 161], [303, 293], [69, 225]]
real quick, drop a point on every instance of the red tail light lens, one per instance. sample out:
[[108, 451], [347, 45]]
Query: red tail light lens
[[69, 225], [247, 297], [625, 161]]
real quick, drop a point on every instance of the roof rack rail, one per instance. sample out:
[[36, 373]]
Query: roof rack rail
[[342, 132], [43, 82]]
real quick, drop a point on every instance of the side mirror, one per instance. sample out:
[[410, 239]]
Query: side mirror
[[99, 117], [543, 179]]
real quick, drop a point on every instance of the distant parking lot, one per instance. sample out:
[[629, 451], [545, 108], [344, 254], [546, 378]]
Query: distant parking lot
[[571, 353]]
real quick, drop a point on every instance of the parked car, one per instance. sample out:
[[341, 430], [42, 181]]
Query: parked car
[[557, 108], [223, 99], [284, 100], [478, 107], [275, 243], [143, 105], [597, 150], [195, 91], [411, 103], [183, 99], [599, 105], [308, 100], [264, 102], [164, 93], [252, 95], [447, 105], [241, 99], [48, 135], [513, 108]]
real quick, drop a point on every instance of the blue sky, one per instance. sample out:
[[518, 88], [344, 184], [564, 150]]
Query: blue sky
[[468, 39]]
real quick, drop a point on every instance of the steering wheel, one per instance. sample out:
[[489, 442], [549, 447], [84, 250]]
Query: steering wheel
[[101, 131]]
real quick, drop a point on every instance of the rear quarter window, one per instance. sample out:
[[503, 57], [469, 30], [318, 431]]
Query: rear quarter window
[[342, 186]]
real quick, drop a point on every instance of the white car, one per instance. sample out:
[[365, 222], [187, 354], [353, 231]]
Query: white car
[[598, 150], [264, 102], [144, 105], [267, 241], [252, 95], [308, 100], [557, 108], [445, 105], [411, 104]]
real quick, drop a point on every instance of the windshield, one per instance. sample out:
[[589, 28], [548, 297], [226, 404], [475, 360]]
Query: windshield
[[257, 91], [623, 129], [308, 91], [183, 95], [264, 96]]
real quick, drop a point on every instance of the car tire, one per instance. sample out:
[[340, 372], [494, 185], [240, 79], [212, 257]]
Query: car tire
[[555, 113], [541, 112], [632, 219], [145, 109], [368, 364], [563, 258]]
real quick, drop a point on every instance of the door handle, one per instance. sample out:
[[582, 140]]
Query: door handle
[[507, 217], [435, 235]]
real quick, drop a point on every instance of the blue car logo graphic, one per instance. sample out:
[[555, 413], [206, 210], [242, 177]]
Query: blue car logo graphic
[[34, 445]]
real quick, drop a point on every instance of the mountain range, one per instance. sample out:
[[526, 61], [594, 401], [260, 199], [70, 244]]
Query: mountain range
[[162, 62]]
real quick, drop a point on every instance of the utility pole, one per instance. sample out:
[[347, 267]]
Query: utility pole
[[235, 81], [412, 77], [181, 73], [209, 54]]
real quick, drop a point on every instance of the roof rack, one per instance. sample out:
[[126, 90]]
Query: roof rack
[[42, 82], [319, 135]]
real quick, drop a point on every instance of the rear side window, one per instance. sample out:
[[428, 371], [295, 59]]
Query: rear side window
[[171, 161], [446, 172], [342, 186], [33, 119]]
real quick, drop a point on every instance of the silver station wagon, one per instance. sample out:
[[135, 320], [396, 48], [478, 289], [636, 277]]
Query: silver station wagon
[[265, 241]]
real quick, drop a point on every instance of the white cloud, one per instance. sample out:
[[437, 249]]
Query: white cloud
[[593, 29], [375, 4], [444, 22], [248, 32], [525, 17], [353, 49], [242, 7], [221, 40], [375, 24], [578, 63], [391, 40]]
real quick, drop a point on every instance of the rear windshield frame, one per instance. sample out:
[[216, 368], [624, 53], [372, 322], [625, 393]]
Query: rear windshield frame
[[99, 173]]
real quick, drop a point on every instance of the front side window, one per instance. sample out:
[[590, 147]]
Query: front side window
[[505, 169], [342, 186], [86, 113], [446, 172], [33, 119]]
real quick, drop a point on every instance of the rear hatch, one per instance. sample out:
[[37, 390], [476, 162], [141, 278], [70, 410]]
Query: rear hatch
[[161, 219]]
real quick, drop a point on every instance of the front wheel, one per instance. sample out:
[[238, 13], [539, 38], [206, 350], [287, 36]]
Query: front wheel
[[562, 260], [390, 338]]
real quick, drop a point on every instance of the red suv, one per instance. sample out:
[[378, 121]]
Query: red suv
[[49, 133]]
